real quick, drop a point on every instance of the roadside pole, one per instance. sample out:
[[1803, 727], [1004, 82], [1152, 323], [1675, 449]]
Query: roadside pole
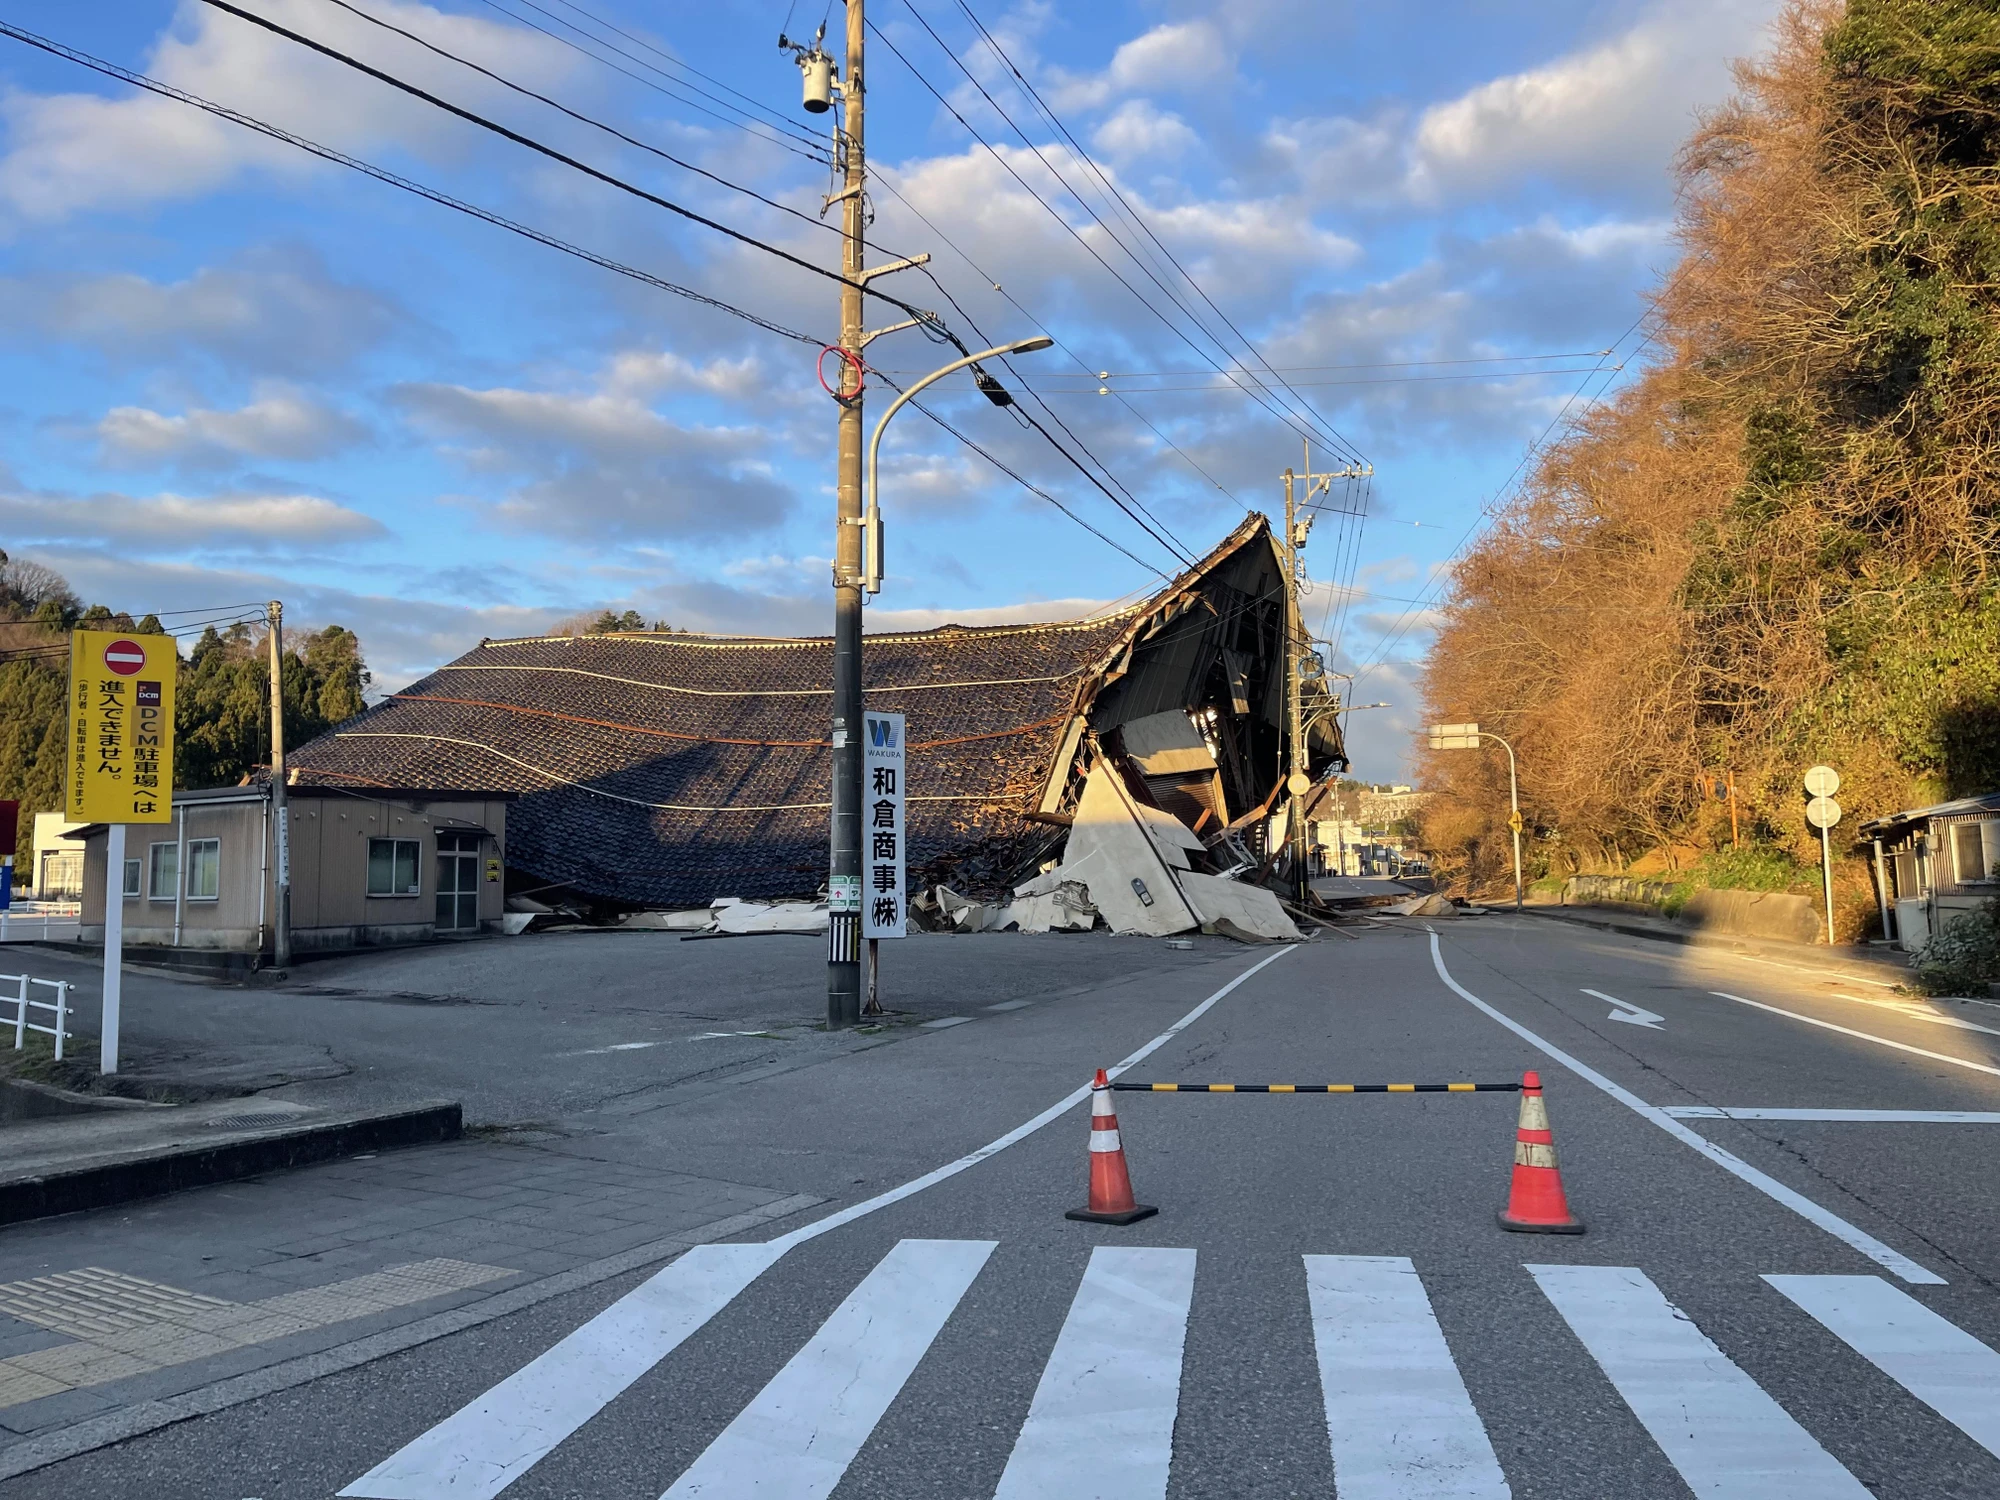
[[114, 947], [1823, 812], [1467, 737], [281, 923]]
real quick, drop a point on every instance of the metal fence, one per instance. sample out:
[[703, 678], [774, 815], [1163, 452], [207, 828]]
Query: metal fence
[[48, 924], [25, 1006]]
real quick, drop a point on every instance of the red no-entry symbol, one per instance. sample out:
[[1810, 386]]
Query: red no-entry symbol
[[124, 657]]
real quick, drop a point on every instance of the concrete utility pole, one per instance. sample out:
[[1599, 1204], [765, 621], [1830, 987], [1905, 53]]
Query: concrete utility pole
[[281, 926], [1298, 780]]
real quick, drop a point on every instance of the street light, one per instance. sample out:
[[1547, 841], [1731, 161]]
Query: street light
[[1467, 737], [871, 522]]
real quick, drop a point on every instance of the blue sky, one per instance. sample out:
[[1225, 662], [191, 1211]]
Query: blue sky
[[230, 371]]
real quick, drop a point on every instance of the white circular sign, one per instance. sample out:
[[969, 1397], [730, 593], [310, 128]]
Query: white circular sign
[[1822, 781], [1822, 812], [1298, 783]]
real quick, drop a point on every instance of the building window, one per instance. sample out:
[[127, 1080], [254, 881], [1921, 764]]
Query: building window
[[163, 880], [392, 866], [204, 869], [1972, 851], [131, 886]]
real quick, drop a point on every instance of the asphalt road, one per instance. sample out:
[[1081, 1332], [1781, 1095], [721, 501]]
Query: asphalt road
[[1324, 1304]]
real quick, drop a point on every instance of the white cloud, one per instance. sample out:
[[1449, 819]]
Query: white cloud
[[1139, 128], [1595, 115], [282, 424], [603, 462], [1175, 55], [269, 312], [69, 153], [169, 524]]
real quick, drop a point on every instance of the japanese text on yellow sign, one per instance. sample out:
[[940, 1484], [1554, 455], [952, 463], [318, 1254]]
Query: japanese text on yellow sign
[[121, 727]]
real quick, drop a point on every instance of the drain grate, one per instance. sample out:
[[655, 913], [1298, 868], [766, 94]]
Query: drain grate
[[249, 1122]]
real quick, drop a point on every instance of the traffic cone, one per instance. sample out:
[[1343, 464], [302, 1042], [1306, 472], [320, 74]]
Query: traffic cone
[[1110, 1184], [1535, 1204]]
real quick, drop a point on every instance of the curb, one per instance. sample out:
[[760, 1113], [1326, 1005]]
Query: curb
[[172, 1168]]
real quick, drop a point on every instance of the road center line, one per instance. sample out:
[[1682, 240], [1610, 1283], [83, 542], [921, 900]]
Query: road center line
[[1848, 1116], [1917, 1013], [1883, 1255], [1866, 1036]]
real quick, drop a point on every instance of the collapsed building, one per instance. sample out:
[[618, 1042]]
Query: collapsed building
[[666, 769]]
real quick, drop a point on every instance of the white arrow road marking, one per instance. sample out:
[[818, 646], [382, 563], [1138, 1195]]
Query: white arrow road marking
[[1631, 1014]]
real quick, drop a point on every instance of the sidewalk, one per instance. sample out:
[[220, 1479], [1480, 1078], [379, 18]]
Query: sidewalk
[[1885, 962], [108, 1315]]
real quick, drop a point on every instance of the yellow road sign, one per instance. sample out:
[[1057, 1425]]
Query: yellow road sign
[[1514, 821], [121, 727]]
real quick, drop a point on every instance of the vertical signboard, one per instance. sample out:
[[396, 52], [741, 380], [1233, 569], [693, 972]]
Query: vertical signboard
[[10, 833], [121, 728], [883, 774]]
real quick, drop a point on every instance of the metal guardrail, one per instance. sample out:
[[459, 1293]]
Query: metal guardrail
[[25, 1005], [1318, 1088]]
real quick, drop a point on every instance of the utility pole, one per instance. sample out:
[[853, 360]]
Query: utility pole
[[1298, 781], [850, 572], [281, 926]]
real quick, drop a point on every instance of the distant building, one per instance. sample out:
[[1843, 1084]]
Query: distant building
[[1382, 805], [368, 869], [57, 872]]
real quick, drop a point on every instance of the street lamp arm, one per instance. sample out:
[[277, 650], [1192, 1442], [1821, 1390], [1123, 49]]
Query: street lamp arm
[[872, 521]]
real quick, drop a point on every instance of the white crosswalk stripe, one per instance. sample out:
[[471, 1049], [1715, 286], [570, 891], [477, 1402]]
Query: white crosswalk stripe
[[1717, 1426], [1102, 1423], [484, 1447], [1400, 1422], [1398, 1416], [797, 1437], [1935, 1361]]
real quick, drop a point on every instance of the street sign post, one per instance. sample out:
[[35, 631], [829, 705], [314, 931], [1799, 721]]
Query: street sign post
[[1823, 812], [120, 758], [1467, 737], [10, 833]]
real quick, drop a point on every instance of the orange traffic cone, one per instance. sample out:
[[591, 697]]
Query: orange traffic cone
[[1110, 1184], [1535, 1204]]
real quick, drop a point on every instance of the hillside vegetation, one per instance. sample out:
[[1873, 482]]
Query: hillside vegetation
[[222, 708], [1777, 547]]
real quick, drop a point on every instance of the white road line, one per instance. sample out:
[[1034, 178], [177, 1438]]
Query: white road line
[[484, 1447], [1866, 1036], [1850, 1116], [1883, 1255], [1818, 973], [1401, 1423], [1916, 1012], [1944, 1367], [795, 1440], [1020, 1132], [1717, 1426], [1102, 1423], [523, 1417]]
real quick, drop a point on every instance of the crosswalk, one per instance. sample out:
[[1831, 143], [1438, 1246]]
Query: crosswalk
[[1401, 1423]]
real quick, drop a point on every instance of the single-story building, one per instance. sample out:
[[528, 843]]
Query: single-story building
[[1932, 863], [368, 868], [666, 769]]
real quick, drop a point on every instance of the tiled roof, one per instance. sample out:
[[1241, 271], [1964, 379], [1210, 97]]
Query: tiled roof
[[671, 769]]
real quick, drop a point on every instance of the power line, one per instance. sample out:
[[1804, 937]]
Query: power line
[[382, 174], [1028, 485], [1171, 326], [594, 123], [920, 314], [1216, 387], [1341, 443], [786, 135]]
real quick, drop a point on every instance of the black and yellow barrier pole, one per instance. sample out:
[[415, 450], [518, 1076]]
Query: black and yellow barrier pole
[[1319, 1088]]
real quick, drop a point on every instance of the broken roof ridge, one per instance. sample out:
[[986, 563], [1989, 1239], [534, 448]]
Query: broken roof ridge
[[716, 641], [811, 692]]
